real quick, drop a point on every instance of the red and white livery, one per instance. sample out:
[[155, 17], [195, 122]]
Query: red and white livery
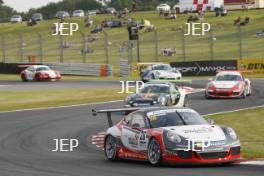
[[228, 84], [173, 135], [40, 73]]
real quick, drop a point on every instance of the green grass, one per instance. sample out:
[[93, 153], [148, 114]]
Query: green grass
[[197, 48], [15, 100], [249, 126]]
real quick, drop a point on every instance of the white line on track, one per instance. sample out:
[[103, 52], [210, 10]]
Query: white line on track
[[59, 107], [236, 110], [255, 162]]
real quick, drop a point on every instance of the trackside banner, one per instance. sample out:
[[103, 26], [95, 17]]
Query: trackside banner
[[204, 68], [252, 65]]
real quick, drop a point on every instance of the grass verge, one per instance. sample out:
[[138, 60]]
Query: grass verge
[[249, 126], [15, 100]]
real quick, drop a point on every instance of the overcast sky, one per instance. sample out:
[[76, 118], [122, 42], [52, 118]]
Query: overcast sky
[[24, 5]]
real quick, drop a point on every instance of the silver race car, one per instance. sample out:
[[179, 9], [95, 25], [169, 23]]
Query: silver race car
[[160, 72]]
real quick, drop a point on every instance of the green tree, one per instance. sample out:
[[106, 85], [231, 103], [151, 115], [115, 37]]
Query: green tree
[[6, 13], [120, 4]]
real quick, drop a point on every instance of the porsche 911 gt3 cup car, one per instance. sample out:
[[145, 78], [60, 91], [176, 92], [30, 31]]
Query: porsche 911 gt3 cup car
[[228, 84], [160, 72], [174, 135], [166, 94], [39, 73]]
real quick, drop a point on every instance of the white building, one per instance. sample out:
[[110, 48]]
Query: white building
[[198, 5]]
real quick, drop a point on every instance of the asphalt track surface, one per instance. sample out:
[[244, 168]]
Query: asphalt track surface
[[26, 142]]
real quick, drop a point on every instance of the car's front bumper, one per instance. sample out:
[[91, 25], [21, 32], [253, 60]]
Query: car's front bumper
[[193, 157], [223, 93]]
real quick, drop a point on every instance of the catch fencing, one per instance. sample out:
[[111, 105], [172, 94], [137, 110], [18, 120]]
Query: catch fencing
[[169, 45]]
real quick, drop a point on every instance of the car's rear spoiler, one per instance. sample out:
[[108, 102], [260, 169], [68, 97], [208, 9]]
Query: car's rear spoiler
[[110, 111]]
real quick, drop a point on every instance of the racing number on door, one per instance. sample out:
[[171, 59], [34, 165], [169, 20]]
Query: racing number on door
[[133, 135]]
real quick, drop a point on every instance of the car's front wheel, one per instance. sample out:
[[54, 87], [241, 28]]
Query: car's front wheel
[[110, 148], [154, 152]]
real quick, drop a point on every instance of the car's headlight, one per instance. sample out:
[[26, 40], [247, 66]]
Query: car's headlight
[[231, 133], [173, 137], [210, 86]]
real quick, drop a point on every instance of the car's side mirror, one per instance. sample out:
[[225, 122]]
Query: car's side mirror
[[210, 121]]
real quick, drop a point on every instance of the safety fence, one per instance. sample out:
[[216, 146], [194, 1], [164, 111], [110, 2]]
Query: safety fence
[[223, 42]]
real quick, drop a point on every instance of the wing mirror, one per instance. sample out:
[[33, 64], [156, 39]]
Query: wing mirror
[[210, 121]]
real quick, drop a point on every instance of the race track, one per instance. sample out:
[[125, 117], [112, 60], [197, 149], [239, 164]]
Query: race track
[[26, 141]]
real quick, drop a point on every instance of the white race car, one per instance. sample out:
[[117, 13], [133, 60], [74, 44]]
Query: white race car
[[160, 72], [39, 73]]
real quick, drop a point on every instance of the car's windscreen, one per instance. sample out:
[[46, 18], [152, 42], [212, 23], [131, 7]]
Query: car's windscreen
[[16, 16], [166, 118], [162, 67], [228, 77], [43, 69], [155, 89]]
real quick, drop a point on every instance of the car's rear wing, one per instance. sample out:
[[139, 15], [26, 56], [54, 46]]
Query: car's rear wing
[[110, 111]]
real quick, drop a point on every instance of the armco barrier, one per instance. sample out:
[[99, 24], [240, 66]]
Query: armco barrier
[[83, 69], [98, 70], [125, 68], [204, 68]]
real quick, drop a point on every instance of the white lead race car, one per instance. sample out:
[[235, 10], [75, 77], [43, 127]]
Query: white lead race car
[[160, 72]]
